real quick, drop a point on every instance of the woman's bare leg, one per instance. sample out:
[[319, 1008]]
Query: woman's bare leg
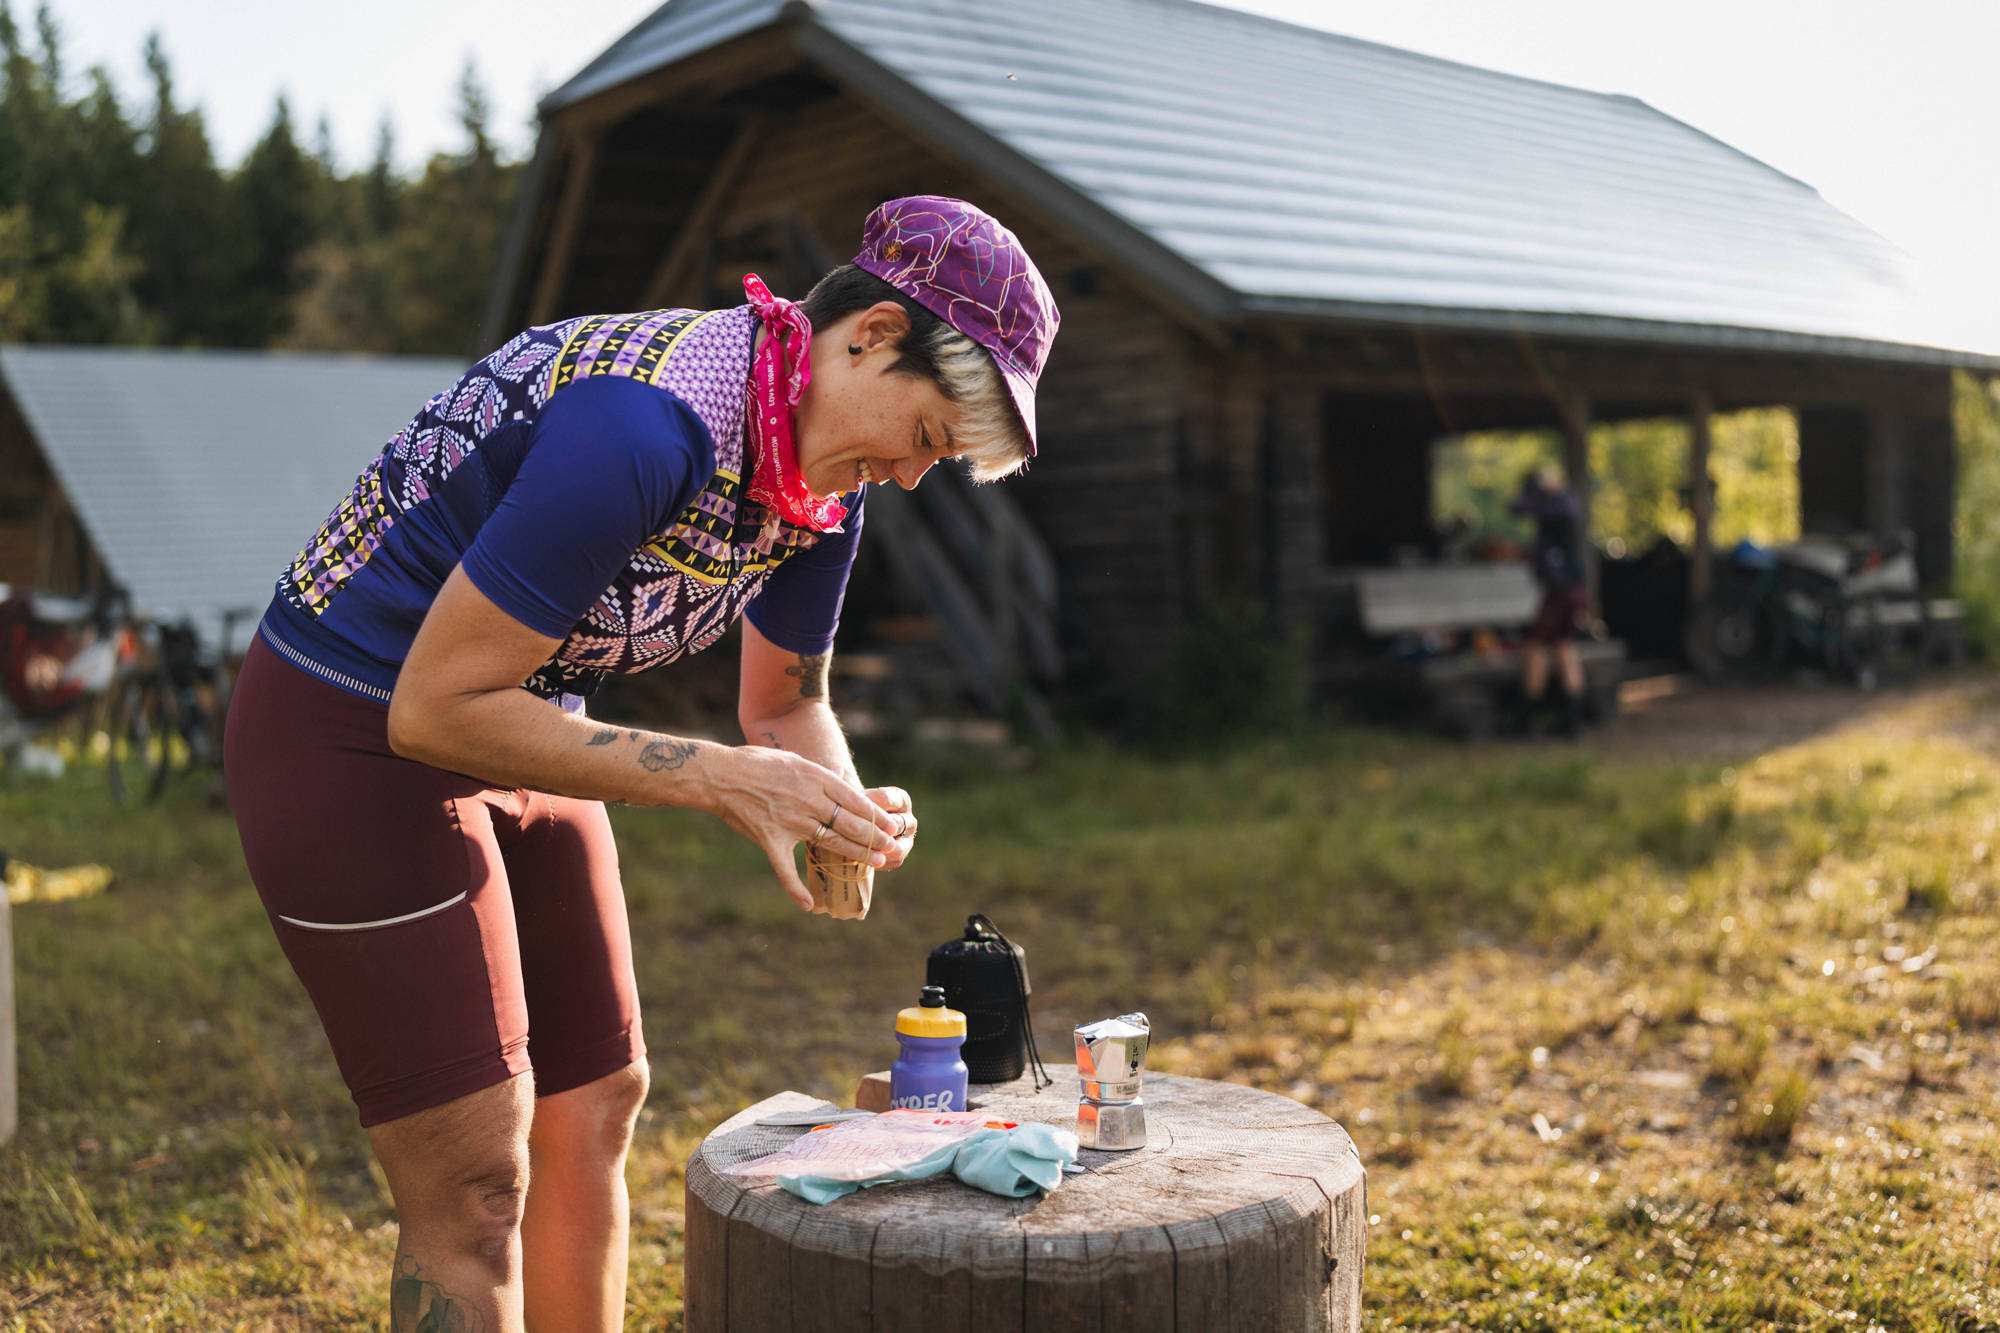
[[578, 1215], [1534, 670], [1570, 658], [460, 1176]]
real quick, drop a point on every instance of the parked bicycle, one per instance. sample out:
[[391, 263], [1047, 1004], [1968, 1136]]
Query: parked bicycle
[[147, 700], [1851, 608]]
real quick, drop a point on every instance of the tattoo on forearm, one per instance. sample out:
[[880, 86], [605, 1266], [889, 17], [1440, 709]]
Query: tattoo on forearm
[[420, 1306], [811, 675], [604, 737], [666, 753]]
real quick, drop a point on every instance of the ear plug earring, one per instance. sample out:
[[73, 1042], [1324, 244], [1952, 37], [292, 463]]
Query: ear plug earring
[[854, 349]]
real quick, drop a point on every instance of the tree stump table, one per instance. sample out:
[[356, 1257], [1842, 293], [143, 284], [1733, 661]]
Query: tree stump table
[[1244, 1211]]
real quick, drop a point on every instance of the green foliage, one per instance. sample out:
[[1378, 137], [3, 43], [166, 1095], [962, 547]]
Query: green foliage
[[118, 227], [406, 266], [1639, 479], [1477, 476], [1754, 459], [1976, 408], [1639, 476]]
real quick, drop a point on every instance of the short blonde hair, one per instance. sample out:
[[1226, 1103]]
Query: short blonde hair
[[989, 435]]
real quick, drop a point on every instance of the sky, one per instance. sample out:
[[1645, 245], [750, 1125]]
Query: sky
[[1890, 108]]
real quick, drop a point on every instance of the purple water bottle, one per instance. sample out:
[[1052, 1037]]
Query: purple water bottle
[[929, 1075]]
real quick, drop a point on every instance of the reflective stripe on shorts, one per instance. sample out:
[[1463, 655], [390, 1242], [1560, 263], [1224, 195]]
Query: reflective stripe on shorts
[[370, 925]]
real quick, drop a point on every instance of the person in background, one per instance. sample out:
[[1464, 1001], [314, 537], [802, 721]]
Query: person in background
[[1557, 562]]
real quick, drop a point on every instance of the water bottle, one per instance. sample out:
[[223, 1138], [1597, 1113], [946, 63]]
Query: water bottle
[[929, 1075]]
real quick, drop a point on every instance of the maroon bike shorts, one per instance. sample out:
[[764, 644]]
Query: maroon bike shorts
[[451, 934], [1564, 613]]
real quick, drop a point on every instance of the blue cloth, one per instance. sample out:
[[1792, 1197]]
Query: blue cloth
[[1016, 1162]]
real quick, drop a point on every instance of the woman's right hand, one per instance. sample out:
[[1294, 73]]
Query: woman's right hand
[[778, 799]]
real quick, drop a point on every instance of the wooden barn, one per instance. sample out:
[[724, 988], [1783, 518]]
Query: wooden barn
[[1289, 262]]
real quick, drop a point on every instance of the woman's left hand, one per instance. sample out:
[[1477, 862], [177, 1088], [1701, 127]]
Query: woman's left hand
[[896, 801]]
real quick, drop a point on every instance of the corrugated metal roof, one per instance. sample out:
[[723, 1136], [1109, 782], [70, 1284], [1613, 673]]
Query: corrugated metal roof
[[672, 32], [1309, 173], [198, 474]]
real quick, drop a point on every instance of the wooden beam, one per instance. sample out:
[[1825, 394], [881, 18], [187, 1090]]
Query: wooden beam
[[714, 73], [515, 248], [716, 197], [1701, 498], [1576, 469], [581, 172]]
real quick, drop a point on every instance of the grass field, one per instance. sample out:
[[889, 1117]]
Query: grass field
[[1626, 1042]]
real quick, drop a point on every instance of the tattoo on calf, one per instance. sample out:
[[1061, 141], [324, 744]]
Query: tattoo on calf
[[604, 737], [811, 675], [666, 754], [420, 1306]]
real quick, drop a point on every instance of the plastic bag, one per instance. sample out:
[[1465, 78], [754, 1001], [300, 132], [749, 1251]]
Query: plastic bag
[[880, 1146]]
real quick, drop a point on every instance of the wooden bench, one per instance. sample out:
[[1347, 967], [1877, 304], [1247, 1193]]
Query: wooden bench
[[1244, 1211]]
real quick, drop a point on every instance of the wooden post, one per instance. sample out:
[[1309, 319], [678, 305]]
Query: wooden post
[[10, 1097], [578, 176], [1576, 469], [1700, 498]]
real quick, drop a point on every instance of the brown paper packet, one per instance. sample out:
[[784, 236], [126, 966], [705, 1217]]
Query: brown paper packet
[[846, 887], [816, 884]]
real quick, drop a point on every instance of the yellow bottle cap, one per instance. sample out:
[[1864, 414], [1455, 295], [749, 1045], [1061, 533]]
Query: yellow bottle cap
[[916, 1022]]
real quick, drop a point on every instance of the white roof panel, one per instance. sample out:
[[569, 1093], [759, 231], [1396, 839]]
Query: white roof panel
[[199, 474]]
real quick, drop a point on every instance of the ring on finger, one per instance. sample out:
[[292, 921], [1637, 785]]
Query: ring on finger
[[904, 825], [820, 831]]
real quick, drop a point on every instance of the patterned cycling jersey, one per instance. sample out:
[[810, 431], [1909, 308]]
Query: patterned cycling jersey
[[349, 605]]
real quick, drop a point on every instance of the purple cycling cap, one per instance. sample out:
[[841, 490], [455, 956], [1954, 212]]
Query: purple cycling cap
[[971, 272]]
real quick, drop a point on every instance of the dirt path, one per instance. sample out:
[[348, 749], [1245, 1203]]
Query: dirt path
[[1699, 721]]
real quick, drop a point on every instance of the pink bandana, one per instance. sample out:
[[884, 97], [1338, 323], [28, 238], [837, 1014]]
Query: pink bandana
[[778, 379]]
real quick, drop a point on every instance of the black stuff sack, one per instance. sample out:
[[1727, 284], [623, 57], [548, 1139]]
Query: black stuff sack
[[985, 977]]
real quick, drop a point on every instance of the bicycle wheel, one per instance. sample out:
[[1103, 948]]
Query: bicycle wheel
[[139, 724], [1735, 636]]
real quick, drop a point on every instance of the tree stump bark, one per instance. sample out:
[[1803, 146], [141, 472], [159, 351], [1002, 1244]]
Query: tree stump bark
[[1245, 1211]]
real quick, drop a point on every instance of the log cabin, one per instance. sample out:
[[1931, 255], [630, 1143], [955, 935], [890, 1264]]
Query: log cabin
[[1289, 262]]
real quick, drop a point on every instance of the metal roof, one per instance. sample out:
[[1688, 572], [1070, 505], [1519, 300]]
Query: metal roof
[[1251, 166], [199, 474]]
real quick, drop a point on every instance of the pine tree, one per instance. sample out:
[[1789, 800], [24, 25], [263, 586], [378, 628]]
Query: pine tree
[[120, 227], [184, 231], [447, 244], [276, 195], [65, 170]]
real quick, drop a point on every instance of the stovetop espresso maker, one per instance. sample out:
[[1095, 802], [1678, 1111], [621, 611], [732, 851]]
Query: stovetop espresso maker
[[1111, 1061]]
